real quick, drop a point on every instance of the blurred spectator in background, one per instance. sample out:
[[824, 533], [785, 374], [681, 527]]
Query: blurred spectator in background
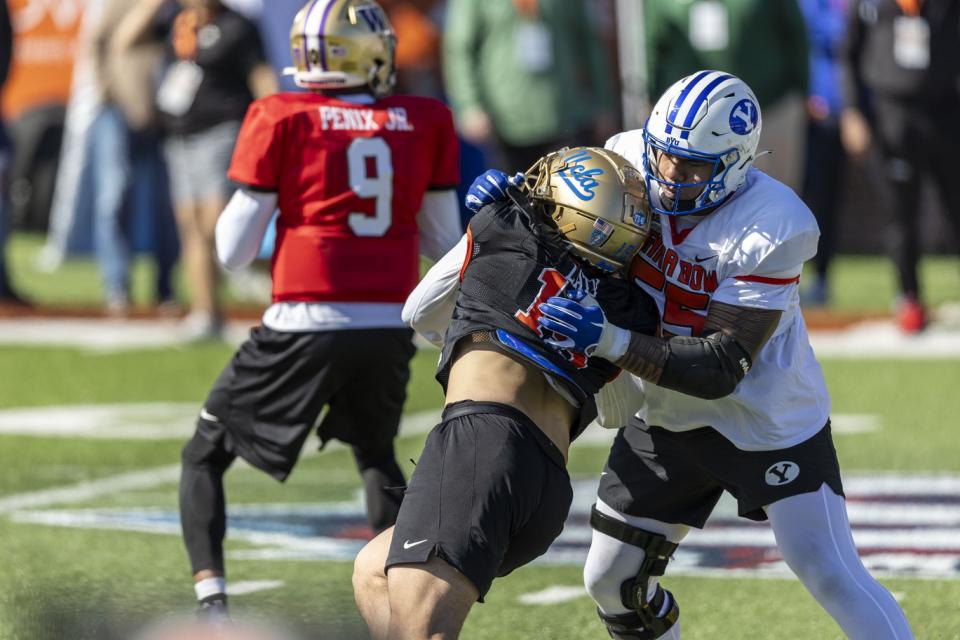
[[125, 163], [530, 75], [825, 159], [216, 67], [418, 27], [764, 42], [418, 46], [34, 103], [903, 86], [7, 294]]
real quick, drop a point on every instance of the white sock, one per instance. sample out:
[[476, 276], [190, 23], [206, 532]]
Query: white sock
[[210, 587]]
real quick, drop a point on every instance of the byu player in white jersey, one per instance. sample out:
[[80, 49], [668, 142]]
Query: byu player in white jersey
[[730, 397]]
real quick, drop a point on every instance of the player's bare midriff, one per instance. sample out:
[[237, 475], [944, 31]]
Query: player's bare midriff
[[483, 372]]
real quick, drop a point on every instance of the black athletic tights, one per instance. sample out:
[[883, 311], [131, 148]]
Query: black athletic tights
[[203, 503], [917, 139]]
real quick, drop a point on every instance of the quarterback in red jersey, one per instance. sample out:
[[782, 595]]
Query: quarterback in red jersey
[[364, 182]]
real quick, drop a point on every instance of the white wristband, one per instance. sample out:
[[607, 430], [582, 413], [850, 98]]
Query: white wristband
[[614, 342]]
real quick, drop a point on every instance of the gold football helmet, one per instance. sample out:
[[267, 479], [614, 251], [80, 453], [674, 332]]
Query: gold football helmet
[[343, 43], [598, 201]]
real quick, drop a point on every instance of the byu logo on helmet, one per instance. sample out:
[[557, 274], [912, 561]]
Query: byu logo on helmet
[[783, 472], [743, 117], [710, 117], [601, 232], [575, 172]]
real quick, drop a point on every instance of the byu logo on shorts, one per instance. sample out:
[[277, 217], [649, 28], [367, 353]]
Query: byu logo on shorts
[[783, 472], [744, 116]]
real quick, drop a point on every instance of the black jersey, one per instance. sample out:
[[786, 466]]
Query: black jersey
[[516, 261]]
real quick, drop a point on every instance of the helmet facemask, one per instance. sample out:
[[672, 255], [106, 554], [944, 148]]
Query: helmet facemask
[[709, 192]]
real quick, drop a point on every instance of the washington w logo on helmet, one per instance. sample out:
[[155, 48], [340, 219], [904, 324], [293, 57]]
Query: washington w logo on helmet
[[373, 16]]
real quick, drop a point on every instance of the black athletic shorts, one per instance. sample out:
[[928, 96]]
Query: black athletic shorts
[[489, 494], [267, 399], [678, 477]]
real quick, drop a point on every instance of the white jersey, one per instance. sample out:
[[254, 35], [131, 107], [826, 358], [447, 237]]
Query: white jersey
[[749, 252]]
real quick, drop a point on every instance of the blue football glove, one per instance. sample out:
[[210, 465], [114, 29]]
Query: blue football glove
[[576, 327], [489, 187], [583, 329]]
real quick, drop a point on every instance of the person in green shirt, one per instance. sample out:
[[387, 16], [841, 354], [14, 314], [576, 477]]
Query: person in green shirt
[[764, 42], [527, 75]]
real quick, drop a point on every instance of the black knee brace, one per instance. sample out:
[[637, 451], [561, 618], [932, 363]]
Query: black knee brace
[[631, 626], [643, 623]]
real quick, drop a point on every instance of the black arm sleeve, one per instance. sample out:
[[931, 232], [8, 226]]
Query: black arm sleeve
[[707, 368]]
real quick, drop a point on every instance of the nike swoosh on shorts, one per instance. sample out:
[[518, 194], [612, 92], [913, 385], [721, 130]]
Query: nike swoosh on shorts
[[409, 545]]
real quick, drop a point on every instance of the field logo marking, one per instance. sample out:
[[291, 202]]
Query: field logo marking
[[903, 525]]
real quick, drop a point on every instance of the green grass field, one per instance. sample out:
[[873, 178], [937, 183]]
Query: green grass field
[[87, 582], [860, 283]]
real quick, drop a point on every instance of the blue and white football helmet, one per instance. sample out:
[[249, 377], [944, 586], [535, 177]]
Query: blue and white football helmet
[[712, 117]]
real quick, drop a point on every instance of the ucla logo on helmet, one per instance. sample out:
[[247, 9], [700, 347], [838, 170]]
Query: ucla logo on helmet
[[744, 116], [581, 180], [601, 232]]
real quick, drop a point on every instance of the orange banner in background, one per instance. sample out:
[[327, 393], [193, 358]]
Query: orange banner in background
[[45, 39]]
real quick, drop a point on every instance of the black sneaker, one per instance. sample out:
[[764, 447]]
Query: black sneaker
[[213, 609]]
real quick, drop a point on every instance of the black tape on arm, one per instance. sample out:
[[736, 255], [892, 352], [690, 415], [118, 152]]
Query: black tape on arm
[[707, 368]]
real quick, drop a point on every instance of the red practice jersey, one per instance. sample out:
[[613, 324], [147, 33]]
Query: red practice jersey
[[350, 179]]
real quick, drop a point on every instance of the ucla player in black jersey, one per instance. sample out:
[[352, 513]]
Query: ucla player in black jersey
[[491, 491]]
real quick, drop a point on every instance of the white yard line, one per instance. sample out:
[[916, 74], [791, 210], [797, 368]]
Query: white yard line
[[252, 586], [141, 421], [869, 339], [103, 334], [553, 595], [91, 489], [882, 339], [87, 490], [175, 421], [558, 594]]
